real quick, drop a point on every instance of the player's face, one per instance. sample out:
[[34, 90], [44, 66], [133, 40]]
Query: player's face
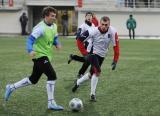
[[89, 17], [50, 18], [104, 25]]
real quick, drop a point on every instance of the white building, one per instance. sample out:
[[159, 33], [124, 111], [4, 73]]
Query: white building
[[146, 14]]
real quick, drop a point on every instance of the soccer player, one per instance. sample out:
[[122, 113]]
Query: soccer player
[[39, 47], [101, 36], [88, 44]]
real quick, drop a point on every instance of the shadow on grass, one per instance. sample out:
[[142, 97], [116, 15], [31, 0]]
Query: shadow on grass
[[88, 110]]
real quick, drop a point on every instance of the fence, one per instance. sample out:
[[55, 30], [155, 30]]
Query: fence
[[123, 3]]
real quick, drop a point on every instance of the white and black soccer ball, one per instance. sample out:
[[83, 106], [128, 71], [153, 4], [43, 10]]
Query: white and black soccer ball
[[76, 104]]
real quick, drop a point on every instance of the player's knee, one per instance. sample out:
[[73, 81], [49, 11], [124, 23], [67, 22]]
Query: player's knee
[[52, 78], [98, 74], [33, 81]]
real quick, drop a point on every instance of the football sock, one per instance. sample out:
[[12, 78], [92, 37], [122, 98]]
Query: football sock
[[21, 83], [94, 81], [83, 78], [50, 92]]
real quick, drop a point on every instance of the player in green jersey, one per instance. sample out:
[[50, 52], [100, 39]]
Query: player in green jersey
[[39, 47]]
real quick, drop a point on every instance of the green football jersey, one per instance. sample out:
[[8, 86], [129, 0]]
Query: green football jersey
[[44, 43]]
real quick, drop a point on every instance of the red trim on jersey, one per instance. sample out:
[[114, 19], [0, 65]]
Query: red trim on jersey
[[116, 48], [81, 47]]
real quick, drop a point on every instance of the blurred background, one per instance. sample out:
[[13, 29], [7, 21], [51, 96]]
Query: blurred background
[[146, 13]]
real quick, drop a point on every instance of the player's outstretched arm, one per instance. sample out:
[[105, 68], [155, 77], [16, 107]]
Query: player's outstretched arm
[[116, 53]]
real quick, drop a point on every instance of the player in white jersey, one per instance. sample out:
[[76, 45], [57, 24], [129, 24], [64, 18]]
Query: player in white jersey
[[101, 36], [88, 44]]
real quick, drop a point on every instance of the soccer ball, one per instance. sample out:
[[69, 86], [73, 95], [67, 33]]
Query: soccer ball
[[75, 104]]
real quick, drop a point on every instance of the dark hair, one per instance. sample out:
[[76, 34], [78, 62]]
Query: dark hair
[[105, 18], [47, 10], [130, 15], [89, 13], [24, 13]]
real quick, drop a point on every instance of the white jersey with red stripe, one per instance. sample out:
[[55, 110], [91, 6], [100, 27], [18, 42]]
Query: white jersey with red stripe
[[84, 27], [101, 41]]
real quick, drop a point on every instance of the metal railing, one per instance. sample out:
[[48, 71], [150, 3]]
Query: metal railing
[[89, 3], [123, 3], [138, 3]]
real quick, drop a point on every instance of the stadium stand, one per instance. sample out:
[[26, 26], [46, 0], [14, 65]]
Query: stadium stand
[[117, 10]]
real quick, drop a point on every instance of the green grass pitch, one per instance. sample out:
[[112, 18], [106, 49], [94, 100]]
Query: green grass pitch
[[133, 89]]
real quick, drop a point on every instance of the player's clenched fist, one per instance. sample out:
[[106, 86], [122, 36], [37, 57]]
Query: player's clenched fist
[[32, 54]]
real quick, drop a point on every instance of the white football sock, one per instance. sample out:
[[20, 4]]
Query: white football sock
[[50, 92], [94, 81], [21, 83], [83, 78]]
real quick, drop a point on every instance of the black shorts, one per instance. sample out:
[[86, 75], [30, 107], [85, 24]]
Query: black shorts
[[96, 62], [42, 65]]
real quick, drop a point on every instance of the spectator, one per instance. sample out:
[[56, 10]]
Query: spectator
[[2, 2], [65, 23], [130, 3], [147, 3], [131, 25], [23, 20]]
